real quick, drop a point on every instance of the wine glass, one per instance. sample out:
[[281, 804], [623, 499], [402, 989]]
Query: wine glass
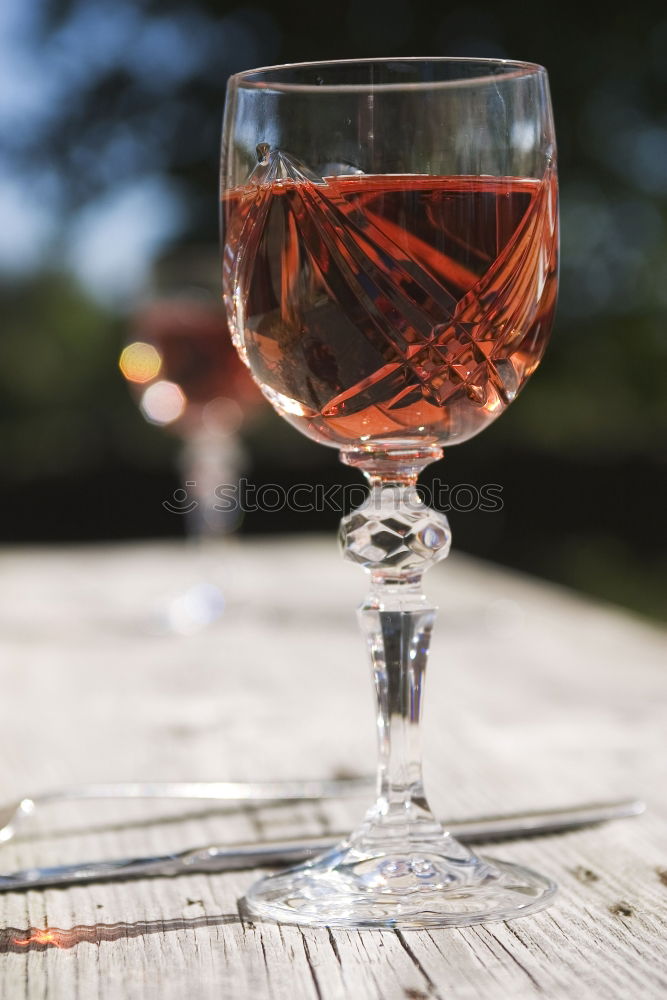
[[390, 247], [186, 377]]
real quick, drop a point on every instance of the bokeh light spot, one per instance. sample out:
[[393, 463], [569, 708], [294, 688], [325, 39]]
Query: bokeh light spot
[[140, 362], [163, 402], [222, 415]]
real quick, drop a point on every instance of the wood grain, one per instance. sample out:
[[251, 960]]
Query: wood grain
[[535, 698]]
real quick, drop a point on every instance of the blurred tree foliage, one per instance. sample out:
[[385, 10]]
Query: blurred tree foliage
[[135, 91]]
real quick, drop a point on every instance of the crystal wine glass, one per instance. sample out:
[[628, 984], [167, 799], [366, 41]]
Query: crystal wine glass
[[186, 377], [390, 247]]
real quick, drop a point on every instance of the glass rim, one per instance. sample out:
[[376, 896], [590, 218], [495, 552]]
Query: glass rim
[[508, 69]]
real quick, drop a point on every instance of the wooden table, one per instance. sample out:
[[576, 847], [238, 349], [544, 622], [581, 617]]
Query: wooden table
[[535, 698]]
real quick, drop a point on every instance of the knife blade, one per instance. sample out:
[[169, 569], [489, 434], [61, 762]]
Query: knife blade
[[235, 857]]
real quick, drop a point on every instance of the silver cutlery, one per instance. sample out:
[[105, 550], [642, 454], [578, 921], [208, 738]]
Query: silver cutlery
[[14, 814], [220, 858]]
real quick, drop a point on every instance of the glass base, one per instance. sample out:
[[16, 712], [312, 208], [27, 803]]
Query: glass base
[[429, 885]]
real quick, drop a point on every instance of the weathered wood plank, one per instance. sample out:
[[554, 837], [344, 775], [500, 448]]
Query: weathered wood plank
[[535, 697]]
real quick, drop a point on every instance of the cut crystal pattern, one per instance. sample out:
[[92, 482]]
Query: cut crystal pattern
[[356, 303], [394, 533]]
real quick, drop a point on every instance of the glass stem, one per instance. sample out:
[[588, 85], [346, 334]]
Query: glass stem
[[398, 624], [396, 537], [209, 462]]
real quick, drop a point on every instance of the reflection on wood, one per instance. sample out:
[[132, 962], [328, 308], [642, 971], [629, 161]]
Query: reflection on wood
[[40, 938]]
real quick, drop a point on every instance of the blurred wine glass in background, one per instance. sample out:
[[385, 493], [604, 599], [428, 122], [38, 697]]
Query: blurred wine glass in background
[[186, 376]]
